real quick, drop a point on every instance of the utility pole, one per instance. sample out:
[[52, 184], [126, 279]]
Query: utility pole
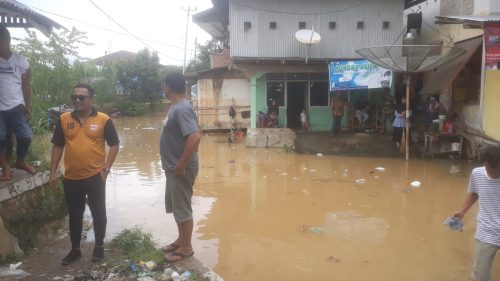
[[195, 48], [188, 12]]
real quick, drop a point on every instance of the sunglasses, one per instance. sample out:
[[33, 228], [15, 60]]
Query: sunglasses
[[79, 97]]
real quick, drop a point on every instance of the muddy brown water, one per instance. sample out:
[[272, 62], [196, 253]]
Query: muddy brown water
[[263, 214]]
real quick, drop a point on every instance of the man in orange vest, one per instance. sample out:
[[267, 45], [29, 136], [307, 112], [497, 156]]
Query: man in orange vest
[[82, 135]]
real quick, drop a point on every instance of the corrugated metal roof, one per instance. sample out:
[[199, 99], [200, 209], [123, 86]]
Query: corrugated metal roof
[[464, 19], [15, 14]]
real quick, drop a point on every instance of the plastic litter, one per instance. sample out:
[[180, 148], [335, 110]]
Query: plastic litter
[[15, 266], [150, 265], [145, 278], [186, 275], [319, 154], [454, 223], [16, 273], [416, 184], [175, 276], [317, 230], [380, 169], [133, 267]]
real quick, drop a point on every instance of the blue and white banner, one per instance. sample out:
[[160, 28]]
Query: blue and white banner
[[358, 74]]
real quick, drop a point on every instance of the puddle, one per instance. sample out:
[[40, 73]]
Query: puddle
[[251, 207]]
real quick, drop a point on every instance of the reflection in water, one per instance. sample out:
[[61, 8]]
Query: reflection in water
[[251, 206]]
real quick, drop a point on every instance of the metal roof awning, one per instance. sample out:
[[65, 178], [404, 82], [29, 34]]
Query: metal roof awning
[[15, 14], [211, 21], [477, 20], [443, 76]]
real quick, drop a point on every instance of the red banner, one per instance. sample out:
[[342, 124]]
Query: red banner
[[492, 46]]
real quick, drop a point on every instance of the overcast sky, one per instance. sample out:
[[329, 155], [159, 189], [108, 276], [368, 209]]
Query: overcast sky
[[159, 23]]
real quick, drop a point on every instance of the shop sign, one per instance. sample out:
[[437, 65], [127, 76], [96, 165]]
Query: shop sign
[[358, 74], [492, 46]]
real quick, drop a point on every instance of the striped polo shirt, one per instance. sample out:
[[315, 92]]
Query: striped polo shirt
[[488, 216]]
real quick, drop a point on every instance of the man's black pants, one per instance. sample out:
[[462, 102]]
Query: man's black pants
[[75, 192]]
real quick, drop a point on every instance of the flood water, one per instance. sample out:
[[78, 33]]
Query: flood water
[[263, 214]]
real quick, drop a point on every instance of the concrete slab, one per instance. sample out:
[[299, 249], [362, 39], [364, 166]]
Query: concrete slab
[[270, 137]]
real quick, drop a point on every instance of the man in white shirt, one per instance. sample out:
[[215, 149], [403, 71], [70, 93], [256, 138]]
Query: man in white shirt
[[485, 186], [15, 106]]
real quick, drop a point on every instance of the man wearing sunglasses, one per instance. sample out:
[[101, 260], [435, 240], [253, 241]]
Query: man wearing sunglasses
[[82, 135]]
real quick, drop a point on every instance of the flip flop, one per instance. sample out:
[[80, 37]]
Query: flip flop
[[170, 248], [28, 168], [177, 254]]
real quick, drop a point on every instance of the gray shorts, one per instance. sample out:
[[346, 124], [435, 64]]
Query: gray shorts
[[178, 193], [485, 255]]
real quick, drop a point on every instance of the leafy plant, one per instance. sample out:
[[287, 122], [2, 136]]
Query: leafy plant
[[288, 148], [138, 245]]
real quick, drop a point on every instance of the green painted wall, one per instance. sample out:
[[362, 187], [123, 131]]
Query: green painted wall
[[320, 118], [258, 98]]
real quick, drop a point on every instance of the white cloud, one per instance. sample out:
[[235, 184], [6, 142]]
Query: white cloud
[[160, 23]]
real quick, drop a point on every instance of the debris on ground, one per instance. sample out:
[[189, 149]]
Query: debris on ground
[[319, 154], [14, 273]]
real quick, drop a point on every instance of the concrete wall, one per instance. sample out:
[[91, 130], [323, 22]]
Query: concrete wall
[[491, 114], [432, 33], [215, 96]]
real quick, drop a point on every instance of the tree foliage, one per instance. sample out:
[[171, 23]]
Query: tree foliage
[[140, 78], [202, 61]]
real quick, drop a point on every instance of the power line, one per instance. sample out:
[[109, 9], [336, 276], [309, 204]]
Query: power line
[[131, 34], [106, 28], [296, 13]]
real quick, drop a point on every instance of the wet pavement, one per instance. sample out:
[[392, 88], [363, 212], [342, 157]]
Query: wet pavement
[[264, 214]]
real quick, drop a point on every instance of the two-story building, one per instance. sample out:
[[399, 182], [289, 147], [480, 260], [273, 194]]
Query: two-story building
[[469, 85], [261, 35]]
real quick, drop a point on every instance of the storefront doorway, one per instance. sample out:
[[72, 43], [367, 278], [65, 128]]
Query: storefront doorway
[[295, 102]]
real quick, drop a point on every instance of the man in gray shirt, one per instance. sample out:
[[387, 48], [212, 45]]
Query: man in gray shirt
[[179, 142]]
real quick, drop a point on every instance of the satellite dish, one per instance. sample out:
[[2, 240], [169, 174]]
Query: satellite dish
[[308, 36]]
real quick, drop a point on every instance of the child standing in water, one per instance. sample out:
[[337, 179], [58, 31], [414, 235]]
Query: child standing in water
[[303, 119]]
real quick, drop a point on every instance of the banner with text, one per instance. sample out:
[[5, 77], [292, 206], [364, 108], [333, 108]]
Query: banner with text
[[358, 74], [492, 46]]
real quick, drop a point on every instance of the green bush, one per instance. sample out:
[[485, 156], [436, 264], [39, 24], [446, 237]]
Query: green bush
[[138, 246]]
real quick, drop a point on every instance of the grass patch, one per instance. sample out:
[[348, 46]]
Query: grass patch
[[138, 246]]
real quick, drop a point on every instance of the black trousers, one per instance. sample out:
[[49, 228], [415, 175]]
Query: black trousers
[[75, 192]]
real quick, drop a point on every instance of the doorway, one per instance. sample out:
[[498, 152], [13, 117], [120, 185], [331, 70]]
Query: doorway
[[295, 103]]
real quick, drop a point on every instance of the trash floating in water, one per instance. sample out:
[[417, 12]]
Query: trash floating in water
[[284, 174], [454, 169], [295, 178], [416, 184], [454, 223], [317, 230], [231, 161], [319, 154], [360, 181], [377, 177], [380, 169], [305, 191], [312, 171], [333, 259], [346, 170]]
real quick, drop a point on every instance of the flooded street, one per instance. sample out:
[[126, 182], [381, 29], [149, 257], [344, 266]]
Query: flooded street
[[268, 215]]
